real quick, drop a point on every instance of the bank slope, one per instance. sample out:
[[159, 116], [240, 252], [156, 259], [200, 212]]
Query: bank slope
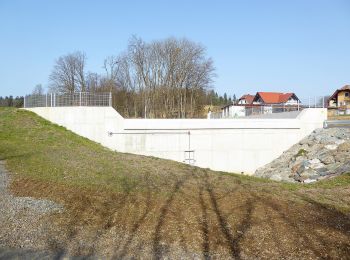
[[121, 205]]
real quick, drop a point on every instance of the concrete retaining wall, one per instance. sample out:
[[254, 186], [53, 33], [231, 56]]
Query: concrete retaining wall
[[232, 145]]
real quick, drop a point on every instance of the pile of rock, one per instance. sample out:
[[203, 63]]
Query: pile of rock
[[323, 154]]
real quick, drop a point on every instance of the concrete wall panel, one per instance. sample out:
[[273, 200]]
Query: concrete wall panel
[[232, 145]]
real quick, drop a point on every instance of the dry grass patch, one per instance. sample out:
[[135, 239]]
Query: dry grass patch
[[200, 215]]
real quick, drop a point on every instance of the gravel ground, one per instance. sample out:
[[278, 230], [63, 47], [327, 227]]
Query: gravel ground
[[22, 222]]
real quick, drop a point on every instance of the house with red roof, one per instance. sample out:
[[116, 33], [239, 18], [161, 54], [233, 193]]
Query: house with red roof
[[275, 98], [261, 103], [340, 98], [339, 102], [246, 99]]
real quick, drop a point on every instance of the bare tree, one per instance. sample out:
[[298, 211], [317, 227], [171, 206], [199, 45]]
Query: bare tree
[[38, 90], [93, 82], [68, 74], [111, 66], [167, 78], [79, 59], [171, 76]]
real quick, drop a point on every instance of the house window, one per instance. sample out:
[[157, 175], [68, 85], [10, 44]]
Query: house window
[[347, 94]]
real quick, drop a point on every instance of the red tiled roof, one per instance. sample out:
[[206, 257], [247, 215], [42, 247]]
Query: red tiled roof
[[274, 97], [284, 97], [249, 98]]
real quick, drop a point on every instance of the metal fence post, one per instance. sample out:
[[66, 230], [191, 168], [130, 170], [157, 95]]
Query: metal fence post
[[24, 101], [46, 100], [54, 99], [110, 99], [80, 98], [323, 104]]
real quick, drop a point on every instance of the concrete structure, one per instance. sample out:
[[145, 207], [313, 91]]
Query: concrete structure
[[232, 145], [232, 111], [246, 99]]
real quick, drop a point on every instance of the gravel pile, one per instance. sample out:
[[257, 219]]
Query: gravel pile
[[21, 224], [323, 154]]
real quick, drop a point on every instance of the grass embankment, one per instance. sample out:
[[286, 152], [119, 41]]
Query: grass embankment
[[123, 205]]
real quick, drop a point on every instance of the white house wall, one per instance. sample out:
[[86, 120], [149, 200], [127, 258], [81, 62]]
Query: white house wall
[[291, 101], [232, 145]]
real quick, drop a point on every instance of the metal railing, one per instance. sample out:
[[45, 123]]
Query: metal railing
[[314, 102], [271, 109], [102, 99], [245, 110]]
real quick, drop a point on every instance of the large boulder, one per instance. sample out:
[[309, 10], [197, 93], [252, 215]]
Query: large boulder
[[324, 153]]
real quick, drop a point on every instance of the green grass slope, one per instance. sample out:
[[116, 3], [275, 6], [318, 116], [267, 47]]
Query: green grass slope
[[34, 147]]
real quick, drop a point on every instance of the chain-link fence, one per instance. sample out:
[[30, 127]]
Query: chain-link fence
[[69, 100]]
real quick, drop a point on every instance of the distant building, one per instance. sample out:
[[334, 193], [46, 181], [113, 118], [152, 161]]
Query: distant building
[[245, 99], [261, 103], [339, 102], [340, 98], [232, 111]]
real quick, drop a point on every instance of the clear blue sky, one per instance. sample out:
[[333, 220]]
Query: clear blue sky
[[298, 45]]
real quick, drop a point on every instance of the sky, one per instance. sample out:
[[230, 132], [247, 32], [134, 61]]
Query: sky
[[300, 46]]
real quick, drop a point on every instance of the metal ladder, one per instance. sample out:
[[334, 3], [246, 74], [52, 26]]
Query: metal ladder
[[189, 157]]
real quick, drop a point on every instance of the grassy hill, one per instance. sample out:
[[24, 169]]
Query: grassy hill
[[122, 205]]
